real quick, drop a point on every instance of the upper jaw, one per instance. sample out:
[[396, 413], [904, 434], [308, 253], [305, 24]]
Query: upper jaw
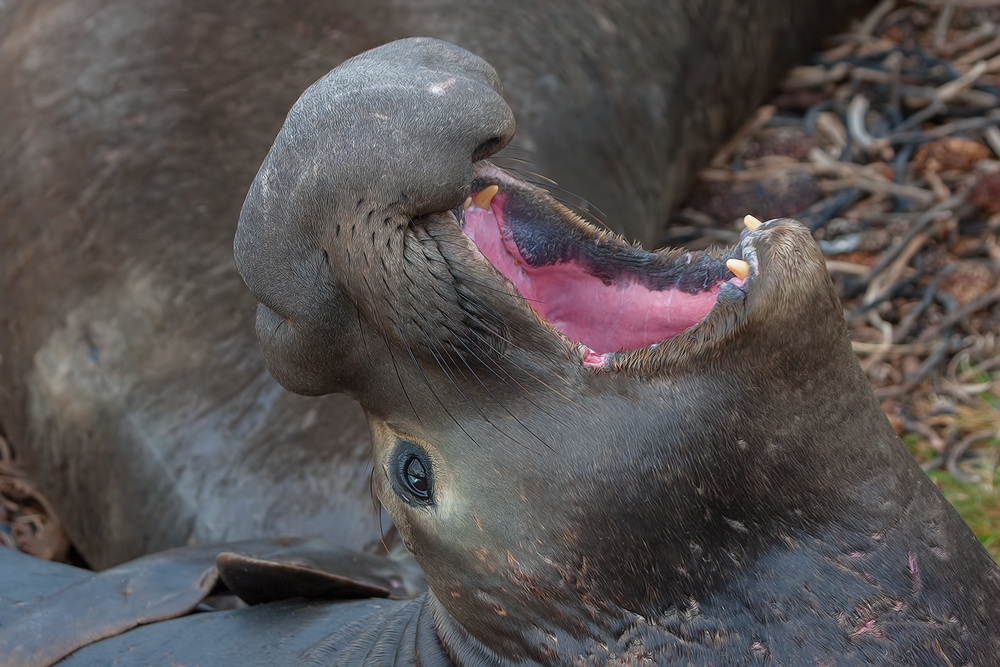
[[610, 302]]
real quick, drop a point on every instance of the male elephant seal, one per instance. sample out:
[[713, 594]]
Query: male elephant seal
[[130, 383], [598, 455], [594, 452]]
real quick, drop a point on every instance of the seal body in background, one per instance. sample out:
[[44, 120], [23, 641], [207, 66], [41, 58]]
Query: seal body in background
[[130, 382]]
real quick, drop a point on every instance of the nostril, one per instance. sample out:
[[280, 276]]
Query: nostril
[[487, 148], [269, 321], [268, 318]]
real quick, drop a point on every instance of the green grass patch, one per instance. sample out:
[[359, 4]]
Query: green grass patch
[[979, 505]]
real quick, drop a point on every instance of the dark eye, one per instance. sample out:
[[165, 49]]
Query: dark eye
[[413, 478], [416, 477]]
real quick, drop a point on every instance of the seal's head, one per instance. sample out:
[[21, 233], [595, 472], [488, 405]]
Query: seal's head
[[591, 449]]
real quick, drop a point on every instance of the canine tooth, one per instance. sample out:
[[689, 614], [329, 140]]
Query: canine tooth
[[739, 268], [751, 222], [483, 198], [467, 203]]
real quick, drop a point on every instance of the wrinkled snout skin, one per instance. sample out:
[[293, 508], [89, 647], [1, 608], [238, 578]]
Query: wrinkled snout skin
[[389, 137], [131, 384]]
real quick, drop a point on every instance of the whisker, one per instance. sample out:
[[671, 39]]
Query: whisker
[[550, 388], [513, 146], [434, 353], [420, 370], [361, 329], [488, 287], [486, 351], [376, 509], [399, 378], [461, 340], [521, 170]]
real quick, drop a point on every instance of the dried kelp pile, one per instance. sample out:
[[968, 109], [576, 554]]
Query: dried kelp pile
[[26, 520], [887, 146]]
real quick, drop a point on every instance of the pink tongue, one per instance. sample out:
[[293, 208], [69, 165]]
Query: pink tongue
[[605, 318]]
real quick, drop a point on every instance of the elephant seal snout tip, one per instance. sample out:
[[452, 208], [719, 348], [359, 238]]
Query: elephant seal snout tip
[[386, 137]]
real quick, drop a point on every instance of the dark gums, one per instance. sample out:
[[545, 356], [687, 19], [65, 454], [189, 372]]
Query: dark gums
[[543, 240]]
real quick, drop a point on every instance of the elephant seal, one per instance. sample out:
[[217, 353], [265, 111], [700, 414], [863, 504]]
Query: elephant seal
[[130, 383], [594, 452], [730, 494]]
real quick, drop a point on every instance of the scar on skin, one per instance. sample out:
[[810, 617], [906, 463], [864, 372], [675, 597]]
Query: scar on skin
[[439, 88], [867, 627]]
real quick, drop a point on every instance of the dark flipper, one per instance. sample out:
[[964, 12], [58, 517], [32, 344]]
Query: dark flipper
[[104, 604], [315, 569], [48, 610], [279, 633], [26, 580]]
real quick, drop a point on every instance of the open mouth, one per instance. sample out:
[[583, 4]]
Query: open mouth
[[594, 288]]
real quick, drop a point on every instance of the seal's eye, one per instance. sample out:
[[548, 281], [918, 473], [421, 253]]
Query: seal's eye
[[412, 476], [416, 477]]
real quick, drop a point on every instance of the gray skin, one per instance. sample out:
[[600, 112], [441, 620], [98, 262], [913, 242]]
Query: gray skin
[[732, 495], [130, 382], [48, 611]]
